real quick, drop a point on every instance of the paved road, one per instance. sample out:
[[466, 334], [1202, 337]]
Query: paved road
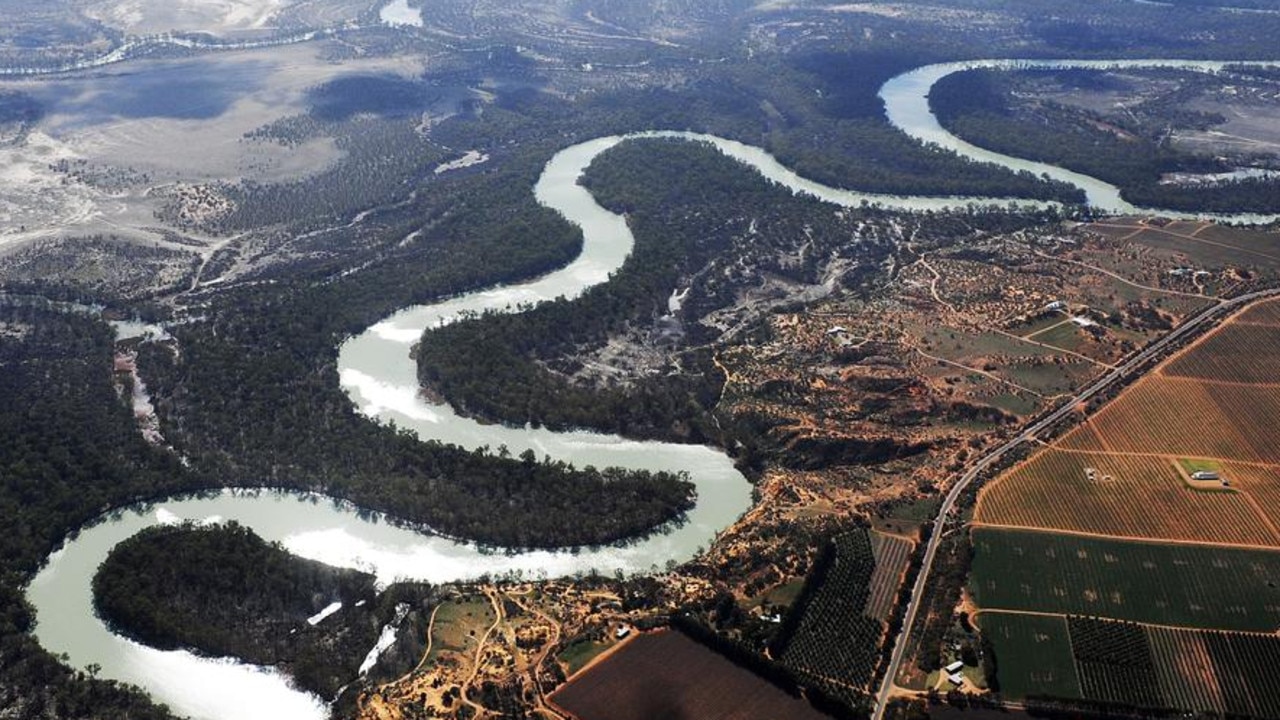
[[1122, 371]]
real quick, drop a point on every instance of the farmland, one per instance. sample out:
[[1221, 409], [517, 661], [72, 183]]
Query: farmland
[[694, 682], [1134, 665], [835, 639], [1167, 415], [1239, 353], [1120, 495], [1163, 588], [1181, 585], [1034, 653], [892, 554], [1114, 662]]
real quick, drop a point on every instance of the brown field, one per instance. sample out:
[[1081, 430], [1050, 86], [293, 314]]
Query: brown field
[[1191, 418], [1238, 353], [892, 554], [1267, 313], [1081, 437], [1128, 496], [1259, 482], [668, 675]]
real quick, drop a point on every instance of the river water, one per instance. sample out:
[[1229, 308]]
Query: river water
[[906, 100], [380, 377]]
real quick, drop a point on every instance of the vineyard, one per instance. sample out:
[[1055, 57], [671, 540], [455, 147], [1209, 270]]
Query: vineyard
[[1033, 653], [1113, 488], [1236, 353], [1260, 482], [1185, 417], [1114, 662], [892, 554], [1265, 313], [835, 640], [1188, 678], [1246, 668], [1081, 438], [1119, 495], [1180, 585], [1135, 665]]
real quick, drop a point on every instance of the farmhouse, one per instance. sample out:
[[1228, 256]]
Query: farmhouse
[[956, 679], [954, 667], [1205, 475]]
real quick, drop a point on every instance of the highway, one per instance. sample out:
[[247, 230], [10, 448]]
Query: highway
[[1122, 371]]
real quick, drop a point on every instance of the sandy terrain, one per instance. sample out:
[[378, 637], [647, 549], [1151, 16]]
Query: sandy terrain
[[154, 142], [140, 17]]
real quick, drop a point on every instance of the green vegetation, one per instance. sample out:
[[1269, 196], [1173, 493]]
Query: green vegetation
[[458, 622], [1245, 666], [976, 105], [1194, 465], [222, 590], [1182, 585], [1114, 662], [254, 395], [1121, 667], [68, 448], [701, 221], [578, 654], [825, 635], [1034, 654], [486, 366]]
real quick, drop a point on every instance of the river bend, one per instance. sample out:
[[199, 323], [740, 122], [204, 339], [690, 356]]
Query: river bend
[[381, 379]]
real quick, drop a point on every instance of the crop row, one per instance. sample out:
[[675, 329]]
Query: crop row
[[1133, 665], [892, 554], [1236, 352], [1186, 417], [1114, 662], [835, 640], [1123, 496], [1264, 313], [1181, 585]]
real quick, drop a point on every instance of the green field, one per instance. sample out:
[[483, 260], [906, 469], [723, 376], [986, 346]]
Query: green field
[[580, 653], [1033, 655], [1065, 335], [1135, 665], [1180, 585], [834, 639]]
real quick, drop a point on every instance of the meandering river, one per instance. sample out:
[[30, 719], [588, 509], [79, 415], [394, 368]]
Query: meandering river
[[381, 379]]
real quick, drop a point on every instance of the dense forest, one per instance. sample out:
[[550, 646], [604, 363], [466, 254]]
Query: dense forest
[[223, 591], [979, 106], [488, 366], [68, 450], [253, 396]]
